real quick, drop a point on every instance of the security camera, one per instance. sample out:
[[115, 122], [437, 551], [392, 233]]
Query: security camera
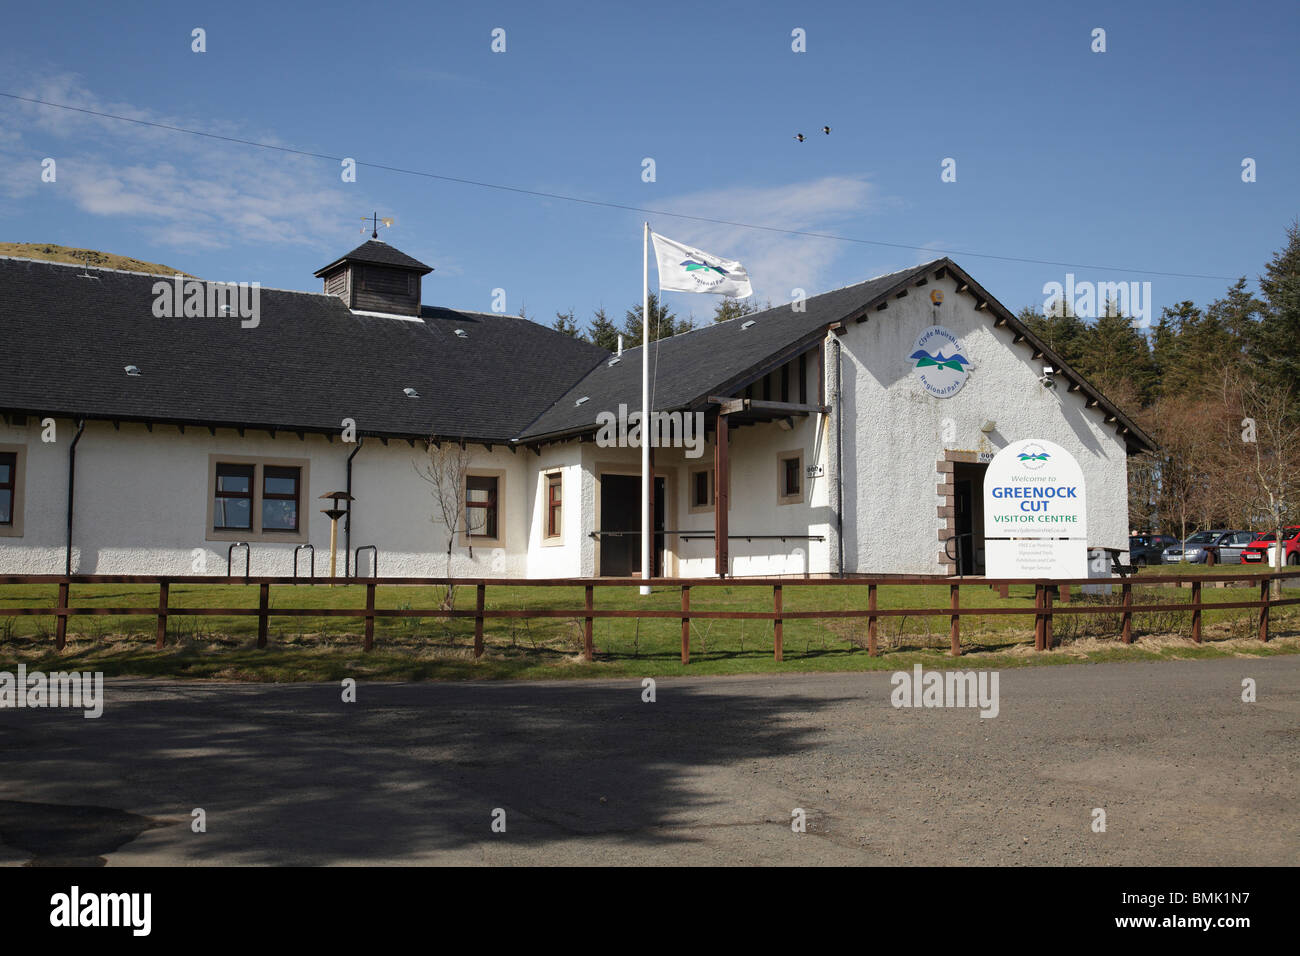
[[1046, 379]]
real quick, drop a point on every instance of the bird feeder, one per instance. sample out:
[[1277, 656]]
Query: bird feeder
[[334, 514]]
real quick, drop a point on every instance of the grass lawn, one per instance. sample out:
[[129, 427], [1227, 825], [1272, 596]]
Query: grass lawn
[[329, 648]]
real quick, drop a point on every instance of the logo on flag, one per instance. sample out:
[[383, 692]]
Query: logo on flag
[[683, 269]]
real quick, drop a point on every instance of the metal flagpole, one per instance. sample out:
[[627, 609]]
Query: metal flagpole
[[646, 540]]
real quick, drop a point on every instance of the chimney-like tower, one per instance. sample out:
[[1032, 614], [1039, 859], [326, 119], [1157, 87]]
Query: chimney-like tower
[[375, 277]]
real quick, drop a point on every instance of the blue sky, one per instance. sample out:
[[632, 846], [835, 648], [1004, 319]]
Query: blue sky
[[1125, 159]]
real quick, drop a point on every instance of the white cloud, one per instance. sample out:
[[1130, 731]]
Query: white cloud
[[777, 262], [188, 192]]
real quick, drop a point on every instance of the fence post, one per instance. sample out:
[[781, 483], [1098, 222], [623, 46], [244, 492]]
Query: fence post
[[61, 621], [1263, 608], [1126, 627], [872, 648], [479, 601], [686, 623], [778, 648], [1038, 617], [369, 642], [955, 626], [1196, 611], [263, 604], [1048, 593], [162, 615], [588, 649]]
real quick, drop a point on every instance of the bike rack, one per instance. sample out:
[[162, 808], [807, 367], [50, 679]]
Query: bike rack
[[312, 555], [248, 558], [374, 561]]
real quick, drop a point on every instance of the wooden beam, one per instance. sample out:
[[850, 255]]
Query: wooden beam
[[721, 552], [900, 294], [880, 308], [939, 274], [981, 305], [921, 281], [962, 287]]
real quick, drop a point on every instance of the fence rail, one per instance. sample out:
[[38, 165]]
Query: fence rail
[[1044, 609]]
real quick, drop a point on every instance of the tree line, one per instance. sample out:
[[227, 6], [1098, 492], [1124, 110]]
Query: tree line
[[1215, 386]]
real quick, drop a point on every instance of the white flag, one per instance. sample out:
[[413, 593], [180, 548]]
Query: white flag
[[683, 269]]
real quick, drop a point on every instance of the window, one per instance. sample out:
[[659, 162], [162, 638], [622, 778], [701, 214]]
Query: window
[[8, 485], [279, 498], [701, 490], [256, 499], [233, 508], [11, 490], [554, 505], [789, 478], [481, 506]]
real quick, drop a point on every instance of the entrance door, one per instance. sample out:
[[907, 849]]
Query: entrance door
[[968, 516], [620, 511]]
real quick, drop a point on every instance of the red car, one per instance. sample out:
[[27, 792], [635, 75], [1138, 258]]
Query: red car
[[1258, 551]]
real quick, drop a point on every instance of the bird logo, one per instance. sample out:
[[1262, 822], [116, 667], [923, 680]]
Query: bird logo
[[1025, 456], [924, 360], [695, 265]]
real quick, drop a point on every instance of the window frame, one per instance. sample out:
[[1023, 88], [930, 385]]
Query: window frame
[[782, 497], [258, 487], [18, 473], [469, 539], [296, 497], [552, 527], [691, 505]]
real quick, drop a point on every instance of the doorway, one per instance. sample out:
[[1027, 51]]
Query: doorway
[[620, 512], [968, 516]]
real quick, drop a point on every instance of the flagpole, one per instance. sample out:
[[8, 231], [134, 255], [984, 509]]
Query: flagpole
[[646, 541]]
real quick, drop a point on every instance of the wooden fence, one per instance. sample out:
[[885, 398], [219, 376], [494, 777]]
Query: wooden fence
[[1045, 608]]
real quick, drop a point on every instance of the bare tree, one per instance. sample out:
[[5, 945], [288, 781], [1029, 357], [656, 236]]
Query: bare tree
[[1270, 433], [446, 470]]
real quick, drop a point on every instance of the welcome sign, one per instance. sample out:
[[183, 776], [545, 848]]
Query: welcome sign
[[1035, 513]]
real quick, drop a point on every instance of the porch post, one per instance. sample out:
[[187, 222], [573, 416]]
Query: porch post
[[721, 465]]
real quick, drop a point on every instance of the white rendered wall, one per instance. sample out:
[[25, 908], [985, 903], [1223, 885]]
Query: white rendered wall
[[894, 430]]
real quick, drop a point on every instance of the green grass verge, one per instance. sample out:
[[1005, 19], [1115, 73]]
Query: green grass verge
[[329, 648]]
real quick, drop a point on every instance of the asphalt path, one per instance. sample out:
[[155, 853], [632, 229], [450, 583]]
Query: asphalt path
[[709, 773]]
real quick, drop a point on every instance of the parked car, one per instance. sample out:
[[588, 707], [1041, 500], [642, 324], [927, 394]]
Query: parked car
[[1227, 550], [1197, 548], [1144, 549], [1257, 552]]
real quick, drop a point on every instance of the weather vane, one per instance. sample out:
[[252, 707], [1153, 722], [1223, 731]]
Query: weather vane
[[374, 224]]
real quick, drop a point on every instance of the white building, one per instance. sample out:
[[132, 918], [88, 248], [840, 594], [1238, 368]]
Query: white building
[[848, 450]]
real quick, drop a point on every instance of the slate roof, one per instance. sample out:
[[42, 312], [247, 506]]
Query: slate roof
[[311, 362], [686, 368], [381, 254], [308, 364]]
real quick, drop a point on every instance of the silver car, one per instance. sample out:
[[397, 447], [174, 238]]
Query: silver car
[[1199, 547]]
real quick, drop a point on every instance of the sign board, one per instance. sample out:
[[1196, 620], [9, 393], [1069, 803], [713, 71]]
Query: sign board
[[1035, 513], [938, 362]]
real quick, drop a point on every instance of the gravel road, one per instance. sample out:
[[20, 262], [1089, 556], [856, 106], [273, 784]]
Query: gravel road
[[709, 773]]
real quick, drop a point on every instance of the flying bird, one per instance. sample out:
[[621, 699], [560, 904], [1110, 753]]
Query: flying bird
[[799, 137], [826, 130]]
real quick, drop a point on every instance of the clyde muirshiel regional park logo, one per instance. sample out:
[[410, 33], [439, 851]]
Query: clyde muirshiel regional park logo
[[936, 357], [1033, 457], [701, 271]]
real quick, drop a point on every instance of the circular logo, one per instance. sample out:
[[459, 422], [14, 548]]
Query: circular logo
[[1032, 456], [939, 363]]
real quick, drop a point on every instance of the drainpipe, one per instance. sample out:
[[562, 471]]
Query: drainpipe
[[72, 479], [347, 519], [839, 469]]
